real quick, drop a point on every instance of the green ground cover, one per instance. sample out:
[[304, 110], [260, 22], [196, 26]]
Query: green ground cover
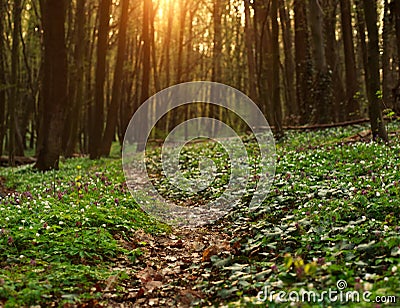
[[333, 213]]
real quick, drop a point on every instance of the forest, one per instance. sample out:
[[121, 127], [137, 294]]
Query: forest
[[325, 74], [302, 62]]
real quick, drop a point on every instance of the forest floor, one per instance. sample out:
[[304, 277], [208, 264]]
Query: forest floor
[[76, 238], [4, 189]]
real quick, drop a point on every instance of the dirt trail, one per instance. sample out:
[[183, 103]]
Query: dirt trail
[[167, 272]]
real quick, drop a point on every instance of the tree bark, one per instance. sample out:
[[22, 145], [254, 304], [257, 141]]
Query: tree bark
[[144, 93], [54, 84], [112, 113], [182, 22], [292, 110], [322, 95], [98, 112], [251, 63], [3, 80], [396, 13], [352, 108], [302, 56], [362, 39], [76, 94], [373, 79], [14, 96], [333, 61], [387, 56], [276, 93]]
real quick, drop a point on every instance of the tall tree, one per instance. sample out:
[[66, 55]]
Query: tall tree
[[76, 90], [373, 78], [54, 89], [333, 59], [302, 57], [146, 65], [14, 97], [112, 113], [181, 33], [217, 41], [362, 39], [276, 93], [97, 116], [352, 107], [396, 12], [292, 110], [251, 62], [3, 80], [322, 79]]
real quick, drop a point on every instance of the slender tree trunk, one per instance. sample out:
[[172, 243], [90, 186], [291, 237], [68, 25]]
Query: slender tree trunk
[[182, 22], [387, 74], [216, 73], [217, 41], [146, 52], [162, 125], [396, 92], [102, 47], [362, 39], [89, 89], [54, 84], [302, 56], [168, 43], [375, 110], [352, 108], [76, 94], [396, 13], [322, 79], [292, 111], [112, 113], [144, 93], [14, 97], [155, 65], [333, 61], [251, 63], [3, 80], [276, 94]]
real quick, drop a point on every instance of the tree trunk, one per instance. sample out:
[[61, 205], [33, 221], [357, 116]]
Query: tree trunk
[[387, 54], [112, 113], [396, 92], [396, 13], [168, 43], [76, 94], [14, 96], [333, 61], [98, 112], [302, 56], [182, 22], [352, 109], [322, 96], [362, 39], [3, 80], [292, 110], [276, 94], [54, 84], [375, 110], [251, 63], [144, 93]]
